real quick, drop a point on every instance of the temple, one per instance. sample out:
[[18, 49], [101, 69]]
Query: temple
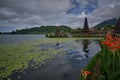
[[85, 27]]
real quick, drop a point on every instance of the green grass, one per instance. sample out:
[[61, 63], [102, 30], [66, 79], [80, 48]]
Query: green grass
[[16, 57], [90, 66], [92, 62]]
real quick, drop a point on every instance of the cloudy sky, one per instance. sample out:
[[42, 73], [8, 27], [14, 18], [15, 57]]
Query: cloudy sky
[[18, 14]]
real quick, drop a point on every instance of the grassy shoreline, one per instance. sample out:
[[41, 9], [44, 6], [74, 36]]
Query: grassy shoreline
[[90, 65], [105, 65]]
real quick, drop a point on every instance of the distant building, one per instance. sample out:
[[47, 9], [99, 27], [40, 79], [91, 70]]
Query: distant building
[[91, 31], [86, 26], [57, 33]]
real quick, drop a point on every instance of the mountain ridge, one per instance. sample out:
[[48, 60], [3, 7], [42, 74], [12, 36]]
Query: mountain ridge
[[112, 21]]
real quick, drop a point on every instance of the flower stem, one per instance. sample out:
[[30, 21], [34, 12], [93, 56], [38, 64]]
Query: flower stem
[[113, 63]]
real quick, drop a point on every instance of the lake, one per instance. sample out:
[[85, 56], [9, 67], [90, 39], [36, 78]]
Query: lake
[[15, 39], [67, 66]]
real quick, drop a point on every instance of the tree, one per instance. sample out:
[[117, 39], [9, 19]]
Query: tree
[[74, 31]]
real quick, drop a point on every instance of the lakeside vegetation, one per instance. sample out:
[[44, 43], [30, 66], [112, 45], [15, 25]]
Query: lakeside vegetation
[[42, 30], [105, 64], [49, 29], [18, 57]]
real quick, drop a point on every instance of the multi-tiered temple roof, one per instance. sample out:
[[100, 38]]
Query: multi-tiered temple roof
[[86, 26]]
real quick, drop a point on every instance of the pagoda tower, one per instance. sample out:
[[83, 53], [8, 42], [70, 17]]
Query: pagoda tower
[[85, 27]]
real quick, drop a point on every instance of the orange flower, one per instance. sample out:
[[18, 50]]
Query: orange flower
[[116, 39], [103, 42], [112, 42], [116, 43], [118, 47], [85, 73], [109, 44], [109, 37], [112, 49]]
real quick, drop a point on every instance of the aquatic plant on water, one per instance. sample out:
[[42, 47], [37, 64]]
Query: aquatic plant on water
[[18, 57]]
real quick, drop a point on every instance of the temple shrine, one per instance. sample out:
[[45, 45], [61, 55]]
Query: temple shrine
[[86, 26]]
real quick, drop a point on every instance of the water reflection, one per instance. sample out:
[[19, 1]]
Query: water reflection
[[66, 66], [85, 50], [85, 44]]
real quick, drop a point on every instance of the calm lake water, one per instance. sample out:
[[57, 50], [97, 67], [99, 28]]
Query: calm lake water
[[63, 67], [68, 65], [15, 39]]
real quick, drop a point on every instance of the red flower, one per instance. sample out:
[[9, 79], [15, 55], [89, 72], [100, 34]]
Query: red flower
[[103, 42], [112, 49], [116, 39], [112, 42], [109, 37], [85, 73], [109, 44], [116, 43], [118, 47]]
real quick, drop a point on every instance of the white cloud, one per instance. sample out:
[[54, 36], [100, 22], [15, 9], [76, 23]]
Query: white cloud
[[30, 13]]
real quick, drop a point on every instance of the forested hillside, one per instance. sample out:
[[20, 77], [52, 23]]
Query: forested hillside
[[42, 30]]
